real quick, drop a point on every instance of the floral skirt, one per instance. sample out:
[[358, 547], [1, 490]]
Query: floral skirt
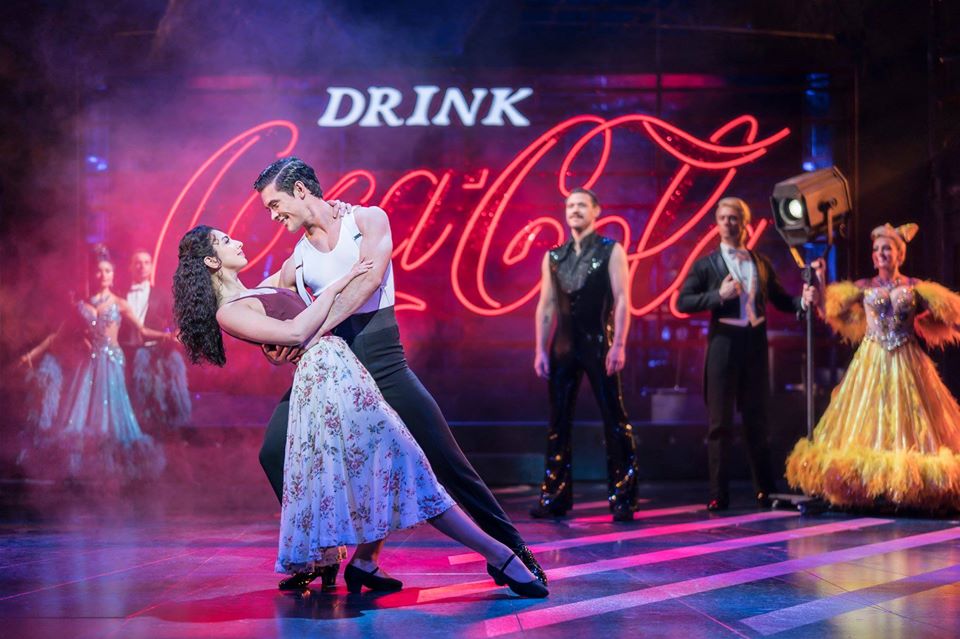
[[891, 432], [353, 472]]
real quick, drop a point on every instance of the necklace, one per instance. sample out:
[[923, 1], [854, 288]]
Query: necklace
[[885, 283], [99, 298]]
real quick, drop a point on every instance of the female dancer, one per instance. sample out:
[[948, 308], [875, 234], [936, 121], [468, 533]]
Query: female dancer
[[352, 471], [98, 422], [892, 430]]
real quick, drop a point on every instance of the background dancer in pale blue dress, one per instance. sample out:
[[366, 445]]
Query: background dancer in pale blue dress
[[97, 425], [352, 471]]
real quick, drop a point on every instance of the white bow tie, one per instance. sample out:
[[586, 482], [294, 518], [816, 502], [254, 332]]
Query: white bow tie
[[138, 287], [738, 254]]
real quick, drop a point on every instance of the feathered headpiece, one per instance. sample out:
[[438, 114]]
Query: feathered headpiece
[[900, 234], [101, 253]]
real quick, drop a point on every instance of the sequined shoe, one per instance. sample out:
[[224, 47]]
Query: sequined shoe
[[523, 553], [718, 504], [543, 512]]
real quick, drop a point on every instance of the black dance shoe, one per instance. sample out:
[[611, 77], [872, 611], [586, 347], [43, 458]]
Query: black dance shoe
[[356, 579], [623, 515], [544, 512], [298, 580], [763, 500], [523, 553], [532, 589], [718, 504], [328, 576]]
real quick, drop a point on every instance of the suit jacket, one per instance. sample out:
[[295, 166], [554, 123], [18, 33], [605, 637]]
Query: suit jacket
[[159, 317], [701, 292], [701, 289]]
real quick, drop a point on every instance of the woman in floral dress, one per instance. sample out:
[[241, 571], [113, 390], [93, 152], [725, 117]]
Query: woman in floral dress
[[352, 472]]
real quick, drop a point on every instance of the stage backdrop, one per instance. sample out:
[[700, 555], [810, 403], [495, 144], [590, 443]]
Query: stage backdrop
[[472, 171]]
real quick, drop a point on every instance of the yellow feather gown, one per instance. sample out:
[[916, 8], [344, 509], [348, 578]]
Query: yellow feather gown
[[892, 429]]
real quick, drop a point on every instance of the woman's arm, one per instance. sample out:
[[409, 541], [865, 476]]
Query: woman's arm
[[939, 322], [242, 319], [40, 348], [843, 310]]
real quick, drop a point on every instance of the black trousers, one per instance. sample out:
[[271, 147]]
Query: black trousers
[[567, 369], [736, 376], [375, 340]]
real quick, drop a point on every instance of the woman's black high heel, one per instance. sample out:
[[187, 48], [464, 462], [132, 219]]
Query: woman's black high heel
[[301, 580], [533, 589], [356, 579], [328, 576]]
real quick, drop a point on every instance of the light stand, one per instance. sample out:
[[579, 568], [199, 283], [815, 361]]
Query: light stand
[[804, 503], [798, 222]]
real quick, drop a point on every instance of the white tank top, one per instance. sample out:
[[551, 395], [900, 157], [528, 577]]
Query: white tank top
[[317, 270]]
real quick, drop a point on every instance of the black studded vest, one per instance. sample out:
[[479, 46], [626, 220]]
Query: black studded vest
[[584, 295]]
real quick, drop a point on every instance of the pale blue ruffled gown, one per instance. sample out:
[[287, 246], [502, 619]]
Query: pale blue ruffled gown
[[100, 430]]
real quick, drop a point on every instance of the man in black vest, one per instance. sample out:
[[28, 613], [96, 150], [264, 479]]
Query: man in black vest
[[583, 291], [735, 284]]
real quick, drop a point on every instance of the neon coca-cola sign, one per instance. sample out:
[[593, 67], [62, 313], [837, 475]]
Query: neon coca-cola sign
[[386, 106], [470, 233]]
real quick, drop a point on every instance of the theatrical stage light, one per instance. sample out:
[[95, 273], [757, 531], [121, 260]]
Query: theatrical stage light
[[810, 205]]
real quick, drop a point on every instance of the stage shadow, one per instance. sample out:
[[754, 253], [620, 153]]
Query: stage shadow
[[310, 604]]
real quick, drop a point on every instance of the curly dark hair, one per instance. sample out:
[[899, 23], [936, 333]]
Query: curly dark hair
[[195, 301], [286, 172]]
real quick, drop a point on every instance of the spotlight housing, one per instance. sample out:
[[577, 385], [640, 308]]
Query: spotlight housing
[[810, 205]]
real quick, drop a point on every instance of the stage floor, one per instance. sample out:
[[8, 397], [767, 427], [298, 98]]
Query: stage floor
[[169, 570]]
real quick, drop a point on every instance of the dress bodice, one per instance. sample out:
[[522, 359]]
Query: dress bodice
[[103, 322], [890, 312], [278, 303]]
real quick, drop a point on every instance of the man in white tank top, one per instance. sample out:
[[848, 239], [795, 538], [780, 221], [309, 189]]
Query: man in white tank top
[[335, 236]]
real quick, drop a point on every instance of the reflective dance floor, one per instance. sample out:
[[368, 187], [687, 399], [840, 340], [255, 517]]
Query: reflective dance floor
[[143, 567]]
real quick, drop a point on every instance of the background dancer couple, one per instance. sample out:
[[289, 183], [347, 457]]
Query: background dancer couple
[[357, 448]]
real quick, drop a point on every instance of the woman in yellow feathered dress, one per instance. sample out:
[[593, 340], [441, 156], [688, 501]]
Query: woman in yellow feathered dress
[[892, 431]]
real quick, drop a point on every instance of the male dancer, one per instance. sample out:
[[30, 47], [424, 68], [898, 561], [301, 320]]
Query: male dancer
[[583, 291], [156, 371], [734, 284], [363, 315]]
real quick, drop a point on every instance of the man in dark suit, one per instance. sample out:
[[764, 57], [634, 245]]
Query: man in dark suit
[[156, 371], [735, 284]]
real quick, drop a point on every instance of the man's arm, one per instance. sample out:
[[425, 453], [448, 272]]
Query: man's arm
[[286, 277], [777, 295], [147, 333], [377, 245], [616, 356], [546, 311], [694, 296]]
